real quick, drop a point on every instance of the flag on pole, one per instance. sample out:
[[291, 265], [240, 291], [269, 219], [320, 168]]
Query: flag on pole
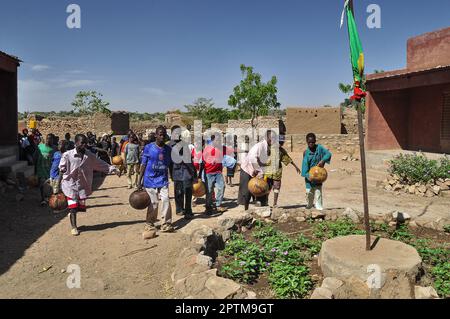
[[356, 51]]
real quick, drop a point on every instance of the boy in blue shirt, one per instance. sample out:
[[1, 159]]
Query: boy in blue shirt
[[315, 155], [55, 176], [154, 178]]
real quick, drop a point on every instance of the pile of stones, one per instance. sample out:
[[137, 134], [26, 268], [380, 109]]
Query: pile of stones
[[440, 187]]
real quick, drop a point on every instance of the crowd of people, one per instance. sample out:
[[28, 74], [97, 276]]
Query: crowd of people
[[151, 165]]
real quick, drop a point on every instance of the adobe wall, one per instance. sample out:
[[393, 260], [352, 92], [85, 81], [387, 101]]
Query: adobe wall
[[337, 143], [387, 120], [316, 120], [429, 50], [97, 124], [425, 116]]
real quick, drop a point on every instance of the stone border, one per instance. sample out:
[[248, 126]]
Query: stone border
[[194, 277]]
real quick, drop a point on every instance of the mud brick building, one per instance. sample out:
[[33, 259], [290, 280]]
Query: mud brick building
[[409, 109], [317, 120], [8, 118]]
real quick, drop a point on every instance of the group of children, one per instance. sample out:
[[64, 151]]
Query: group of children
[[151, 164]]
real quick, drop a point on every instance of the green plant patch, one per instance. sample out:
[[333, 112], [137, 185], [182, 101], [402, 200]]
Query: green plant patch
[[287, 260], [416, 168]]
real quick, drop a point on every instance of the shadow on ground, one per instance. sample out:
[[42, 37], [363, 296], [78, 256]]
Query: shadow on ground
[[22, 223]]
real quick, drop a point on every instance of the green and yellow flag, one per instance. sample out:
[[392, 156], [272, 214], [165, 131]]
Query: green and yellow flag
[[356, 51]]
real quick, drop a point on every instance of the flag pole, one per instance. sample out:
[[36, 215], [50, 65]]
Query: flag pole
[[364, 177], [357, 59]]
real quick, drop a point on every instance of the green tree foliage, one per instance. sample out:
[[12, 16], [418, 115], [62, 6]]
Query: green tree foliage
[[252, 97], [204, 109], [89, 102], [347, 89]]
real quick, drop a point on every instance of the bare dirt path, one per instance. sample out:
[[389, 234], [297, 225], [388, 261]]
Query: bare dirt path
[[116, 262]]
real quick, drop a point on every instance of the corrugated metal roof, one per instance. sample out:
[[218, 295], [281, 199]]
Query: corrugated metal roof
[[10, 56], [401, 73]]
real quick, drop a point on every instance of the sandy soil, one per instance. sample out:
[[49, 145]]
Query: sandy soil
[[116, 262]]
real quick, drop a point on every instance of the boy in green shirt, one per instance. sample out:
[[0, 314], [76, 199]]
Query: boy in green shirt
[[315, 155], [44, 164]]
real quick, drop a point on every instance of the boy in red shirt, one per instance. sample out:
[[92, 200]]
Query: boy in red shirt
[[212, 165]]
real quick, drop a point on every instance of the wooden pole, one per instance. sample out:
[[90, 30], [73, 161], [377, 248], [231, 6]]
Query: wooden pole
[[364, 177]]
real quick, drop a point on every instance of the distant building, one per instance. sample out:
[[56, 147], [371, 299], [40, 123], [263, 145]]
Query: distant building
[[409, 109], [325, 120]]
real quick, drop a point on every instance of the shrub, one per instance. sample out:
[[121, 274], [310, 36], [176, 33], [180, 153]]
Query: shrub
[[417, 168]]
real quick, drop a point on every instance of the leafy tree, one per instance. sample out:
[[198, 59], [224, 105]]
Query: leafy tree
[[252, 97], [88, 102], [378, 71], [200, 107], [348, 103]]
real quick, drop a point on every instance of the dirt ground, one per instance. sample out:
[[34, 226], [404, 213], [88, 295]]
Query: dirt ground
[[115, 262]]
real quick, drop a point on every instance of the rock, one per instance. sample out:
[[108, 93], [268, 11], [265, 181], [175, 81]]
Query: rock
[[226, 223], [300, 219], [332, 284], [412, 189], [441, 184], [222, 288], [226, 235], [353, 288], [429, 193], [322, 293], [283, 218], [345, 158], [425, 293], [400, 217], [422, 189], [388, 187], [436, 190], [277, 213], [317, 214], [350, 213], [194, 284], [392, 182], [264, 212], [251, 295], [149, 234], [346, 257], [440, 223], [397, 187], [204, 260]]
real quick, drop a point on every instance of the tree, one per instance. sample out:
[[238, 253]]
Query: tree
[[252, 97], [89, 102], [348, 90], [200, 107]]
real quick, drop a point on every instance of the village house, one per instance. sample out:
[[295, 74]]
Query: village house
[[409, 109], [8, 118]]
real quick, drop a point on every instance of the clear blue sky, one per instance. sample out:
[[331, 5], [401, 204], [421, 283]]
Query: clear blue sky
[[155, 55]]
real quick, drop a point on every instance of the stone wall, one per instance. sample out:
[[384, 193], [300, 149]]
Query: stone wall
[[317, 120], [334, 142], [98, 124]]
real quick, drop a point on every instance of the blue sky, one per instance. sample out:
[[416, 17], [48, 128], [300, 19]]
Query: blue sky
[[156, 55]]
